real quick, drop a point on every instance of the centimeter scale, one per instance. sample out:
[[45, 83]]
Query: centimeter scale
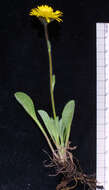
[[102, 70]]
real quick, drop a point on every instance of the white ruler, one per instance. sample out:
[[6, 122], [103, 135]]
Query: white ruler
[[102, 56]]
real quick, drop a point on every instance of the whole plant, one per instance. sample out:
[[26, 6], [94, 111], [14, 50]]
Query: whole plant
[[56, 129]]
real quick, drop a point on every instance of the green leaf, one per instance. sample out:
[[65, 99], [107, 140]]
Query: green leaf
[[61, 127], [27, 103], [51, 125], [61, 132], [53, 82], [55, 132], [47, 121], [57, 129], [67, 116]]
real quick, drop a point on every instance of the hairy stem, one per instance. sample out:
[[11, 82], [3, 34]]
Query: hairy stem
[[50, 69]]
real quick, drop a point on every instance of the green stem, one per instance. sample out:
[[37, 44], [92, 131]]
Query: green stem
[[50, 69]]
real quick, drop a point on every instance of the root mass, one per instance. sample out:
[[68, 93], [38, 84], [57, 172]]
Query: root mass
[[72, 173]]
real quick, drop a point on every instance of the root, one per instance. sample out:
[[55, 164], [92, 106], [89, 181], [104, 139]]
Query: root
[[71, 172]]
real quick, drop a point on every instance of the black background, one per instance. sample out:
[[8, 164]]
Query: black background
[[24, 67]]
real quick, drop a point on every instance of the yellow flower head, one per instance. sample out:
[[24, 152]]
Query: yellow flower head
[[46, 14]]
